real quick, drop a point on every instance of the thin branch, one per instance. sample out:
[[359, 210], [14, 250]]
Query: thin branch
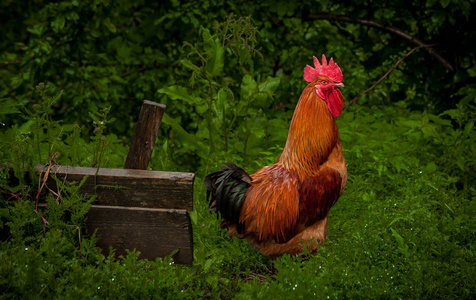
[[45, 178], [276, 22], [10, 63], [384, 76], [448, 66], [41, 185], [140, 70], [79, 234]]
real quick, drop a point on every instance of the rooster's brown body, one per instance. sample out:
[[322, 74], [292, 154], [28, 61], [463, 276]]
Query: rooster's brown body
[[285, 204]]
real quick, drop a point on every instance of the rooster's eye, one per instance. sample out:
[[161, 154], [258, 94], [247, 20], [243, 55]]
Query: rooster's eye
[[324, 82]]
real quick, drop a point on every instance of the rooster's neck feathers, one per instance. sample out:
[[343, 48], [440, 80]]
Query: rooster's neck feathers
[[312, 135]]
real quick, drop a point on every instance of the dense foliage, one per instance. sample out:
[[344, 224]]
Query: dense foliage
[[74, 75]]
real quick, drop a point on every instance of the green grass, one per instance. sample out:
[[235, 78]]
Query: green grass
[[404, 227]]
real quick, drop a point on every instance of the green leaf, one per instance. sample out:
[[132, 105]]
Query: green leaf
[[184, 136], [402, 247], [176, 92], [248, 86], [395, 220], [438, 17], [8, 106], [445, 3], [201, 107], [123, 51], [429, 130], [216, 61], [221, 104], [460, 162], [46, 48], [244, 55], [265, 91], [109, 25], [270, 84], [431, 167], [58, 24], [216, 53], [468, 129], [4, 213], [37, 29], [207, 38], [189, 65]]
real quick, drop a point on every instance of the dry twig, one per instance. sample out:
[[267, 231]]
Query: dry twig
[[393, 30], [384, 76]]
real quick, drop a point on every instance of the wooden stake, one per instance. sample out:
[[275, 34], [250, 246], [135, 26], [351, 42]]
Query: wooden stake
[[145, 134]]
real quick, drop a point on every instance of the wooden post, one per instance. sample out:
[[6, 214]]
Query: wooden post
[[146, 131]]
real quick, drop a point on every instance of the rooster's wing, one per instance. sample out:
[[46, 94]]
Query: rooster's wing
[[271, 206]]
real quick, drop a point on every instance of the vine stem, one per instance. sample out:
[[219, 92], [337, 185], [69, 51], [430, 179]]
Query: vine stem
[[10, 63], [209, 117], [384, 76]]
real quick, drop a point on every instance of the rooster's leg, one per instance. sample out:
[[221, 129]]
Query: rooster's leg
[[315, 233], [309, 237]]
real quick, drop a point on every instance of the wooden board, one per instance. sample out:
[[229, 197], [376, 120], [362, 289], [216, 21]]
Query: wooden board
[[149, 214], [153, 232], [138, 188]]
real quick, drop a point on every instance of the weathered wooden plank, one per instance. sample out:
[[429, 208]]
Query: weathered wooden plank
[[145, 134], [138, 188], [153, 232], [149, 214]]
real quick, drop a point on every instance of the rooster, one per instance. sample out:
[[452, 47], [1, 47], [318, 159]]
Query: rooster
[[284, 207]]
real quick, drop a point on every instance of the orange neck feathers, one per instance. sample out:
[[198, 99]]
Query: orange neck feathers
[[312, 135]]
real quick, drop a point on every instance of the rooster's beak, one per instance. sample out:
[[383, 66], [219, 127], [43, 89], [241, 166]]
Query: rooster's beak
[[339, 84]]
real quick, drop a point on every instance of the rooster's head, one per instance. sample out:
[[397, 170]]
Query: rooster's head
[[326, 79]]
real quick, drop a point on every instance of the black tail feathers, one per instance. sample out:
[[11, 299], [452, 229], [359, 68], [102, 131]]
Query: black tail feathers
[[226, 191]]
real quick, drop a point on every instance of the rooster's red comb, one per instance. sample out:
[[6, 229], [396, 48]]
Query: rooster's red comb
[[330, 70]]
